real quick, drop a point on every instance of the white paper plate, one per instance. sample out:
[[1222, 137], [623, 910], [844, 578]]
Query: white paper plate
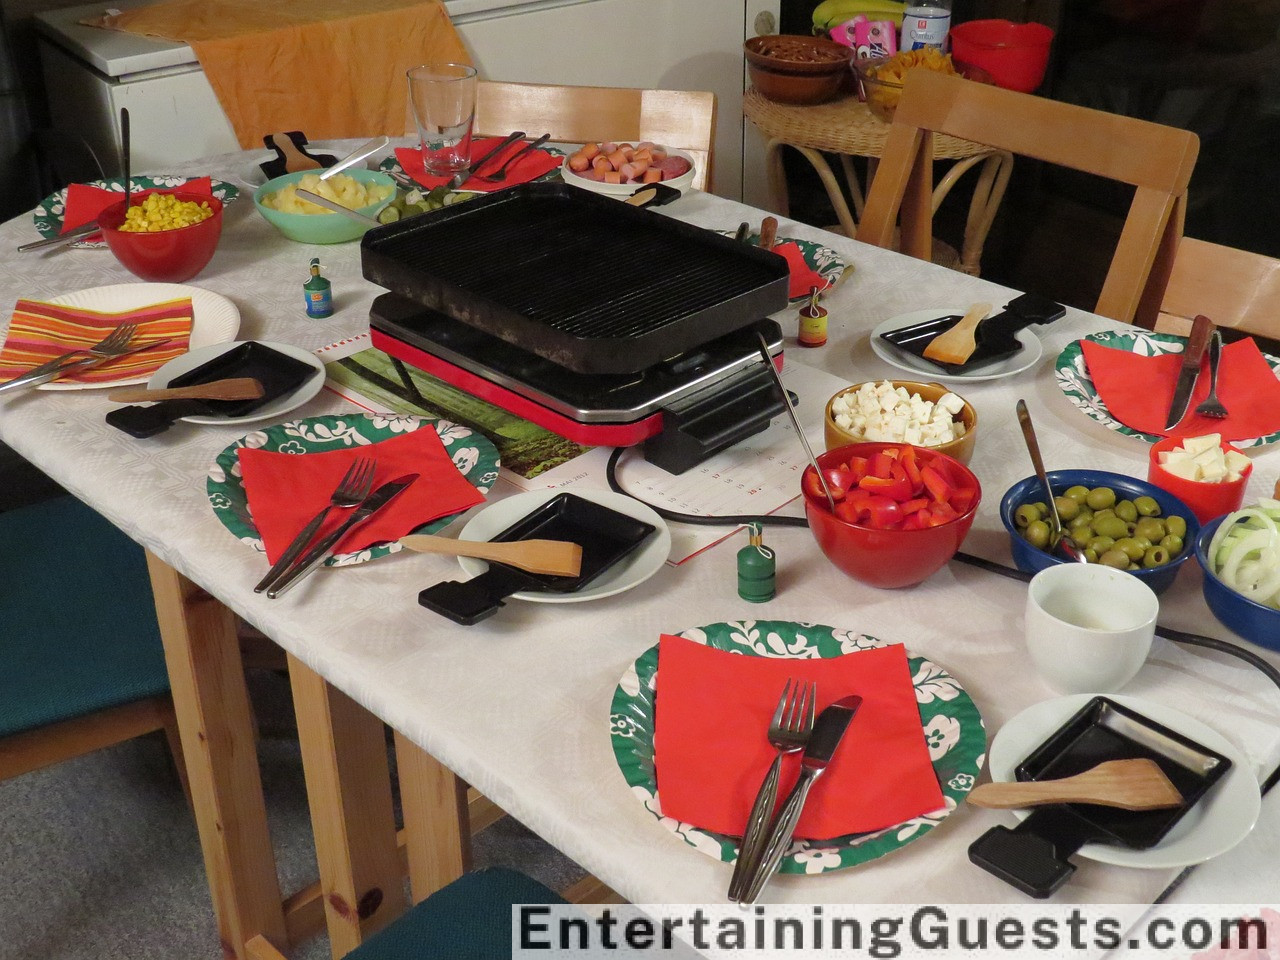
[[681, 182], [1024, 358], [630, 572], [215, 319], [276, 408], [1213, 826]]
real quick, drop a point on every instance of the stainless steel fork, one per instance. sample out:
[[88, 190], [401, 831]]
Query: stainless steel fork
[[350, 492], [788, 733], [1212, 407], [112, 345]]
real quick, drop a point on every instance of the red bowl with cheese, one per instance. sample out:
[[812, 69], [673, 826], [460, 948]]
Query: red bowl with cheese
[[879, 544], [1206, 499]]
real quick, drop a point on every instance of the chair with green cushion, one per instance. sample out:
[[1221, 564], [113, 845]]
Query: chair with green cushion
[[81, 664], [470, 919]]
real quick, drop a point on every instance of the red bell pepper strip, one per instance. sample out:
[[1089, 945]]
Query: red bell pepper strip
[[936, 484]]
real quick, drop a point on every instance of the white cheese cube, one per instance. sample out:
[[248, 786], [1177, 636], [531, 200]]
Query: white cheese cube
[[1187, 469], [1194, 445]]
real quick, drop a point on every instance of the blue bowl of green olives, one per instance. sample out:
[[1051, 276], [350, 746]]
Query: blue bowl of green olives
[[1114, 519]]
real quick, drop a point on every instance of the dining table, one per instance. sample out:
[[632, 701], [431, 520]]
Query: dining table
[[519, 705]]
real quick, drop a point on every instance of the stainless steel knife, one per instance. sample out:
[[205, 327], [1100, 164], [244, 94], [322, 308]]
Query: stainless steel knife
[[826, 736], [1201, 329], [71, 236], [44, 373], [324, 548], [467, 172]]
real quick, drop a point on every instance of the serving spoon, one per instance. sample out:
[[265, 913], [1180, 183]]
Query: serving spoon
[[1062, 544]]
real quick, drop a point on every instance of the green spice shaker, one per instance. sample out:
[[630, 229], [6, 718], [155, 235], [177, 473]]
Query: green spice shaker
[[757, 568]]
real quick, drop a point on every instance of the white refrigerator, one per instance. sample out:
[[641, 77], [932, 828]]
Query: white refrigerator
[[174, 115]]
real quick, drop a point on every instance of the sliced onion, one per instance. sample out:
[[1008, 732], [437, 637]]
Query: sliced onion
[[1251, 565], [1229, 522]]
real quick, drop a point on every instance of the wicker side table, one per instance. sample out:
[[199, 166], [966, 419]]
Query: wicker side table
[[846, 127]]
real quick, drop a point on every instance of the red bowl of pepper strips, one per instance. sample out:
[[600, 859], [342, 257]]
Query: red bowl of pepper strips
[[901, 511]]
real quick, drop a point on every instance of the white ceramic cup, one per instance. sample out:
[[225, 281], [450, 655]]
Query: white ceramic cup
[[1089, 627]]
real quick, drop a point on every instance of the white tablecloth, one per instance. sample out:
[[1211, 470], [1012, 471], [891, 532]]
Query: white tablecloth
[[519, 704]]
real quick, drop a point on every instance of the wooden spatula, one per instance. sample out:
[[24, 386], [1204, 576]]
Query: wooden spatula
[[1128, 784], [957, 344], [233, 388], [558, 558]]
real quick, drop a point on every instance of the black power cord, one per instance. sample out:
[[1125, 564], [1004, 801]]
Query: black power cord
[[1169, 633]]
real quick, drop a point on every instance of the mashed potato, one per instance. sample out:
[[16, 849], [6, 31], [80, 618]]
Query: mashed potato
[[340, 188]]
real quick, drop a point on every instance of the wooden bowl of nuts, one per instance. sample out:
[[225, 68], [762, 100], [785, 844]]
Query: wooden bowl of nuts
[[798, 69]]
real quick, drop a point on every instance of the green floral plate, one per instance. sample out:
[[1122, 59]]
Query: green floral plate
[[472, 453], [823, 261], [1073, 377], [950, 722], [392, 165], [48, 213]]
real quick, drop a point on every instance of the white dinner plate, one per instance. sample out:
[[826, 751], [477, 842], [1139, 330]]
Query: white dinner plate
[[630, 572], [1213, 826], [276, 408], [215, 319], [903, 360]]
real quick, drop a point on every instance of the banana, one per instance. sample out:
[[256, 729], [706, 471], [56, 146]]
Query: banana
[[830, 13]]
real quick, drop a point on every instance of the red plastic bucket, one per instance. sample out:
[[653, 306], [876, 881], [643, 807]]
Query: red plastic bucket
[[1015, 54]]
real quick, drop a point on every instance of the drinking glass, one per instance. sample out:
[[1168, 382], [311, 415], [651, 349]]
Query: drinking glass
[[443, 99]]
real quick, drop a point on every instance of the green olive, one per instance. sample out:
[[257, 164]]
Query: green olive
[[1090, 555], [1037, 534], [1126, 510], [1067, 508], [1172, 544], [1147, 506], [1143, 542], [1081, 536], [1100, 497], [1101, 545], [1132, 549], [1077, 493], [1176, 526], [1150, 527], [1080, 523], [1115, 558], [1041, 508], [1103, 513], [1155, 556], [1026, 515], [1112, 527]]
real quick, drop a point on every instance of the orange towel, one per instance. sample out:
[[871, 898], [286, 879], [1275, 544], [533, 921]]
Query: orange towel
[[330, 68]]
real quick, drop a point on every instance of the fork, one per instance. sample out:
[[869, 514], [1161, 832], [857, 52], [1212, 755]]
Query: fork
[[112, 345], [350, 492], [501, 173], [788, 733], [1212, 407]]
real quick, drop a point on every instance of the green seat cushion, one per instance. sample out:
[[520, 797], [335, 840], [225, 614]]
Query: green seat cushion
[[470, 919], [78, 629]]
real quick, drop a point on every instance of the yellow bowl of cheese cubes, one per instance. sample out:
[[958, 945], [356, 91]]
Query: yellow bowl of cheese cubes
[[902, 411], [365, 191], [1206, 473]]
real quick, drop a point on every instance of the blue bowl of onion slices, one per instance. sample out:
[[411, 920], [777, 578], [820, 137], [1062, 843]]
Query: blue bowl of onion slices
[[1240, 555]]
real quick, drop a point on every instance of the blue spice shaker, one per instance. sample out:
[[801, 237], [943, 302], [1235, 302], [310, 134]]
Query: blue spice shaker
[[319, 293]]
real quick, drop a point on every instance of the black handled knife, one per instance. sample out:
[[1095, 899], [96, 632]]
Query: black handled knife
[[1201, 330], [324, 549]]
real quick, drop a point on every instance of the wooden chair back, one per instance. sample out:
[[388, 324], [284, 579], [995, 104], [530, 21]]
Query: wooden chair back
[[1156, 160], [1233, 288], [681, 119]]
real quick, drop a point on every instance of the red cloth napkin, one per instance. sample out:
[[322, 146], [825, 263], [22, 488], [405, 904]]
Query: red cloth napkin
[[85, 202], [711, 752], [803, 279], [41, 331], [529, 167], [1138, 390], [286, 490]]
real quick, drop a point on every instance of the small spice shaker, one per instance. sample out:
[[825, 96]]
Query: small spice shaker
[[757, 567], [813, 322], [318, 292]]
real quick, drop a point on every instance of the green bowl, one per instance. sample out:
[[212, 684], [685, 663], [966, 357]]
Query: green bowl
[[330, 227]]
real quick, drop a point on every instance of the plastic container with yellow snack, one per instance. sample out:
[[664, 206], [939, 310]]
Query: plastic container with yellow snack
[[881, 78], [374, 188]]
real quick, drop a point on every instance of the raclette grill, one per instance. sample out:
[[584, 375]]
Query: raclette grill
[[603, 322]]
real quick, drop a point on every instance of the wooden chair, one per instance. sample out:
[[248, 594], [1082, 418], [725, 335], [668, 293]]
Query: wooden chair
[[1156, 160], [81, 665], [683, 120], [1236, 289]]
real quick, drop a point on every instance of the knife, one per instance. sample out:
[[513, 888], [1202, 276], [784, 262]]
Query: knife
[[826, 736], [1201, 329], [467, 172], [79, 233], [33, 378], [324, 549]]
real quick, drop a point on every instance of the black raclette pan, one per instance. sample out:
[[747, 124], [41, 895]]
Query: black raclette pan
[[996, 336], [606, 537], [1033, 855]]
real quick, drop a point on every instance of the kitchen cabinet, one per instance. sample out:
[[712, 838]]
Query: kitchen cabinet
[[174, 116]]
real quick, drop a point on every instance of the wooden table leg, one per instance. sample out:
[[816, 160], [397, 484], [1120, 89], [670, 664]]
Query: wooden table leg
[[216, 728], [436, 826], [344, 757]]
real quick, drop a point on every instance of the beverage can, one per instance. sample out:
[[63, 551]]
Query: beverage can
[[925, 25]]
